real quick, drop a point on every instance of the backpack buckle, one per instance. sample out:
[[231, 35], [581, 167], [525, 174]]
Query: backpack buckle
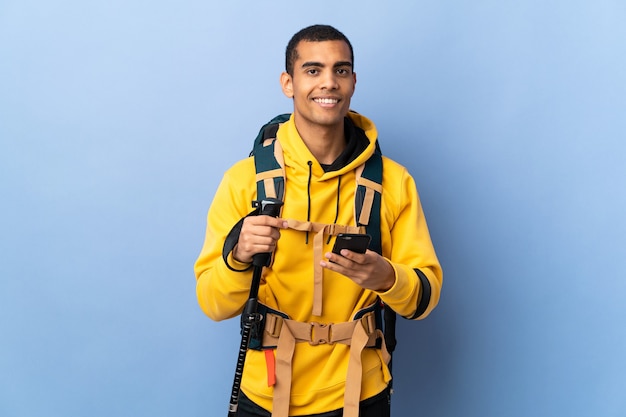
[[320, 333], [273, 324]]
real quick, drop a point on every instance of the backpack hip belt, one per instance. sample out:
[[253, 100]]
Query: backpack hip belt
[[283, 334]]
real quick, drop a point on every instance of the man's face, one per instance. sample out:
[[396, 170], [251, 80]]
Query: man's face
[[322, 83]]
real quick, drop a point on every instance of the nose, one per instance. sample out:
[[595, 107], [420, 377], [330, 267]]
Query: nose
[[329, 80]]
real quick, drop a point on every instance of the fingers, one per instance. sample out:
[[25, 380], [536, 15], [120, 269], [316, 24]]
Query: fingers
[[259, 234], [347, 258], [265, 221], [368, 270], [351, 264]]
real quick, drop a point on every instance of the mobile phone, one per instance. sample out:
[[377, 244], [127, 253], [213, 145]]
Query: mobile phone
[[351, 241]]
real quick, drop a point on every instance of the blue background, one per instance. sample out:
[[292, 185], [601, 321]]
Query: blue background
[[118, 118]]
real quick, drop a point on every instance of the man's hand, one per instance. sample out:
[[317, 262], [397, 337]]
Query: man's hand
[[368, 270], [259, 234]]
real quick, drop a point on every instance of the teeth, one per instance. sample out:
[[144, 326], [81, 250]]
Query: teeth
[[326, 100]]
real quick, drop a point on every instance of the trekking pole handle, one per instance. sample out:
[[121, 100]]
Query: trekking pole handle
[[267, 207]]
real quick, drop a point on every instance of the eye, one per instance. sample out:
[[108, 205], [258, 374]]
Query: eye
[[312, 71], [343, 71]]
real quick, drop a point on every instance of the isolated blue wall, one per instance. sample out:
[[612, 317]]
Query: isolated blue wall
[[118, 118]]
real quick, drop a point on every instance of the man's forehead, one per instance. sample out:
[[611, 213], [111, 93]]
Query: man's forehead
[[327, 52]]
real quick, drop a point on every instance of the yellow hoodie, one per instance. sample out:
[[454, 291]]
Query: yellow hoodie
[[319, 372]]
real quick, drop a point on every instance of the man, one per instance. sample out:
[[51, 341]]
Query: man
[[313, 293]]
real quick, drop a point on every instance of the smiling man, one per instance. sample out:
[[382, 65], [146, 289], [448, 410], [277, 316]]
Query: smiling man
[[318, 348], [321, 81]]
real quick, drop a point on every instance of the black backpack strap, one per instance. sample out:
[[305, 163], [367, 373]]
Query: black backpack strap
[[268, 160], [367, 208], [263, 132], [368, 198]]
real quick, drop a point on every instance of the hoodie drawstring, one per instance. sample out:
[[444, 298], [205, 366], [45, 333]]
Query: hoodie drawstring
[[336, 205], [308, 196]]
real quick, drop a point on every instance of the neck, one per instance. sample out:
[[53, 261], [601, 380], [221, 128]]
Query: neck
[[325, 142]]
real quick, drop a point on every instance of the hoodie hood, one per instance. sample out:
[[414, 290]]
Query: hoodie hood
[[297, 155]]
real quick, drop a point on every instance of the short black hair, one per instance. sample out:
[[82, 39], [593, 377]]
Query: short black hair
[[314, 33]]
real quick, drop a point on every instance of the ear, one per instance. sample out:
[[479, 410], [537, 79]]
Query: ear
[[286, 82]]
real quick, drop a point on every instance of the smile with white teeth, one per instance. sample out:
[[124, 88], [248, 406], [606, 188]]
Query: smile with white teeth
[[326, 100]]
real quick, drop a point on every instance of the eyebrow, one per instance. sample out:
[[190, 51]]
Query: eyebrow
[[319, 64]]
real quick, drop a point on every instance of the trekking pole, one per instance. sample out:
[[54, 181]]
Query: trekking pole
[[250, 316]]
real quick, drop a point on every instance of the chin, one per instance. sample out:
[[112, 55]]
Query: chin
[[335, 118]]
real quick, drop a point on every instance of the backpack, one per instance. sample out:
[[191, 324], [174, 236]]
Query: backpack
[[270, 176]]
